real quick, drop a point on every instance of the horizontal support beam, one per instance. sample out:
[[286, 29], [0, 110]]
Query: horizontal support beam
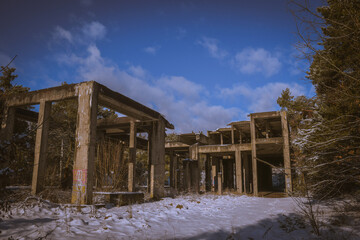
[[224, 148], [265, 114], [127, 106], [275, 140], [27, 115], [49, 95], [176, 145]]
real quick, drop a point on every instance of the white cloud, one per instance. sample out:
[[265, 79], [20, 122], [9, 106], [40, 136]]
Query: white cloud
[[211, 44], [137, 71], [261, 98], [258, 60], [61, 33], [94, 30], [182, 86], [152, 49], [173, 96]]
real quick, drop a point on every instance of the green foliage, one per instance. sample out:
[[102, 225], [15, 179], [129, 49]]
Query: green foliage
[[325, 129], [17, 154]]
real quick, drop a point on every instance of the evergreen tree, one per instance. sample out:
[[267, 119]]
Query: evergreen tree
[[329, 141]]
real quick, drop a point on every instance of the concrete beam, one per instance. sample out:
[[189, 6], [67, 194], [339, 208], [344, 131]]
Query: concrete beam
[[41, 147], [176, 145], [265, 114], [27, 115], [275, 140], [83, 170], [49, 95], [286, 152], [224, 148], [127, 106], [253, 153]]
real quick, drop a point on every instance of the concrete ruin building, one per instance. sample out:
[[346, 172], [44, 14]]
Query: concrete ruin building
[[246, 157], [89, 95]]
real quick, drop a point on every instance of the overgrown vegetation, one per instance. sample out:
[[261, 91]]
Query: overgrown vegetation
[[325, 129]]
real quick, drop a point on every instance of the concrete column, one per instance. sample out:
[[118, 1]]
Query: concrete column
[[213, 173], [239, 177], [173, 170], [7, 125], [149, 163], [253, 153], [246, 174], [286, 152], [85, 142], [220, 177], [176, 172], [132, 157], [157, 174], [202, 172], [41, 147], [188, 176], [232, 136], [221, 139]]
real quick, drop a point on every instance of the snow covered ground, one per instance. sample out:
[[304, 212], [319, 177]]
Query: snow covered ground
[[185, 217]]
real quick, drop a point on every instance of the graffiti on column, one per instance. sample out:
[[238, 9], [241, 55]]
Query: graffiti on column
[[79, 184]]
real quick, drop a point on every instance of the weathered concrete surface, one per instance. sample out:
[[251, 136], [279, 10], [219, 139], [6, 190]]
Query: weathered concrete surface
[[239, 177], [286, 152], [253, 153], [220, 177], [83, 170], [49, 95], [132, 157], [224, 148], [157, 153], [41, 147]]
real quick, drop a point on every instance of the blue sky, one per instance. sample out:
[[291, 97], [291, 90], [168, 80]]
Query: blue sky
[[202, 64]]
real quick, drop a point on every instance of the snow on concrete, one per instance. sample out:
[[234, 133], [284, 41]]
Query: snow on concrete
[[185, 217]]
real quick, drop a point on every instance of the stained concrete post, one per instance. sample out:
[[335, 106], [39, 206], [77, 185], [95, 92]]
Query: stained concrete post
[[239, 177], [188, 176], [221, 139], [157, 152], [253, 154], [220, 177], [171, 155], [132, 157], [232, 135], [246, 174], [83, 170], [41, 140], [286, 152], [195, 176], [7, 125], [213, 173], [176, 172], [202, 172]]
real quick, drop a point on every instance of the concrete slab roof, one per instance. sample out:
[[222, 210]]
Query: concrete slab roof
[[106, 97]]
